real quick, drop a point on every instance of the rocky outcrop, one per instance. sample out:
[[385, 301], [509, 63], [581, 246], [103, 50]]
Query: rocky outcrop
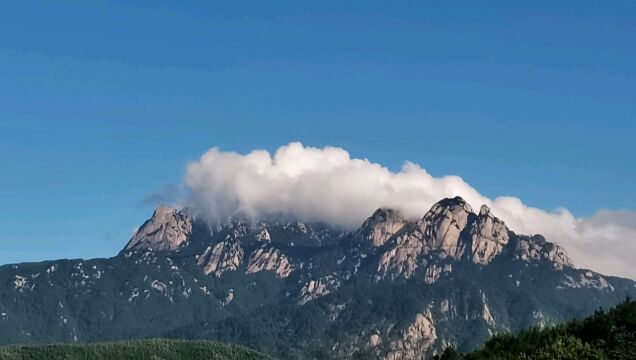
[[536, 248], [314, 289], [401, 259], [416, 339], [437, 233], [264, 236], [587, 279], [489, 236], [228, 297], [486, 313], [224, 256], [378, 228], [168, 229], [375, 340], [268, 258], [443, 225], [434, 271]]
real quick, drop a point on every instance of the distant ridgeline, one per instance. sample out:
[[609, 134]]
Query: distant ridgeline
[[604, 335], [395, 288]]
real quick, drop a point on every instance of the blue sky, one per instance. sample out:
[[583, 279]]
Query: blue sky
[[103, 103]]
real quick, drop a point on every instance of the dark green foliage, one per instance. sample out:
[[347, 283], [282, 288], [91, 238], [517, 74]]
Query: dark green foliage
[[448, 354], [604, 335], [141, 349]]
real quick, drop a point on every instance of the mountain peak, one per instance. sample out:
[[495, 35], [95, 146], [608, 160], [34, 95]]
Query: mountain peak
[[383, 224], [167, 229], [164, 210], [386, 214], [453, 203], [489, 236]]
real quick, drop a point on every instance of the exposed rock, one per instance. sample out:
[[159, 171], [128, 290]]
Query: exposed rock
[[588, 279], [224, 256], [486, 314], [229, 297], [264, 236], [20, 282], [536, 248], [166, 230], [383, 224], [402, 258], [416, 339], [437, 232], [375, 340], [269, 258], [444, 224], [558, 256], [314, 289], [434, 271], [489, 235], [448, 308], [159, 286]]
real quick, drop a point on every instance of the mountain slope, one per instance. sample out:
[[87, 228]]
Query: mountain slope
[[604, 335], [395, 288]]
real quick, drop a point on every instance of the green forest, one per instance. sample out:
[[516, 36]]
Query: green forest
[[604, 335], [141, 349]]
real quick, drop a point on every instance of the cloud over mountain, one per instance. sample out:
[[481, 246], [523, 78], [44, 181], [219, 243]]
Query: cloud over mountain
[[326, 184]]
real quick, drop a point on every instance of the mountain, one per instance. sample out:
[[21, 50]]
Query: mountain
[[395, 288]]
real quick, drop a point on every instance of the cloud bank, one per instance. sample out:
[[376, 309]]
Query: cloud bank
[[326, 184]]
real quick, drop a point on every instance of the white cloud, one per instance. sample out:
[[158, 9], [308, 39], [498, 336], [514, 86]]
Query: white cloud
[[326, 184]]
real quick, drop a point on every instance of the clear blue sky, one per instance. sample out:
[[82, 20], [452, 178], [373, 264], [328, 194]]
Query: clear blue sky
[[103, 103]]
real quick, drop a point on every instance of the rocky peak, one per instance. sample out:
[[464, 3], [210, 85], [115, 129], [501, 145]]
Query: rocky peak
[[167, 229], [383, 224], [536, 248], [444, 223], [489, 235], [453, 203], [439, 232]]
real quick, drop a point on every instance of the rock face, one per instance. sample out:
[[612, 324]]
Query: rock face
[[383, 224], [401, 259], [395, 288], [416, 340], [489, 236], [437, 233], [443, 225], [264, 236], [434, 271], [314, 289], [224, 256], [167, 230], [268, 258], [536, 248]]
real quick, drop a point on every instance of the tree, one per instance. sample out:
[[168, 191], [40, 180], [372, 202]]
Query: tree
[[449, 354]]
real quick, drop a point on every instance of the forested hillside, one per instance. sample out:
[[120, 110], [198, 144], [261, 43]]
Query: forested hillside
[[604, 335], [137, 350]]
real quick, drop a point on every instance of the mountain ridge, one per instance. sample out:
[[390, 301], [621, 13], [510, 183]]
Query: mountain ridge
[[394, 288]]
